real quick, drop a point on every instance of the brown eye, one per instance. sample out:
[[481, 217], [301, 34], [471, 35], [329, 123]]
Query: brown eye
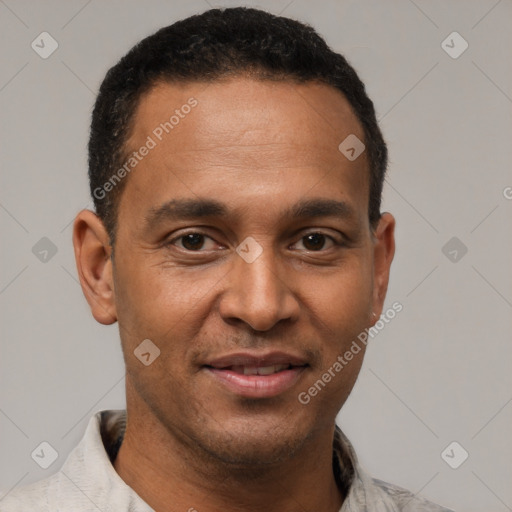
[[192, 241], [314, 241], [195, 241]]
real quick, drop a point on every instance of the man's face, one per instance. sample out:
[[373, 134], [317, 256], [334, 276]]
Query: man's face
[[252, 159]]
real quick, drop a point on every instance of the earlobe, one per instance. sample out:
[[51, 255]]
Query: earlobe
[[384, 251], [92, 256]]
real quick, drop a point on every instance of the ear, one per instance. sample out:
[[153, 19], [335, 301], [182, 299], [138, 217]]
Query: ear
[[92, 254], [383, 252]]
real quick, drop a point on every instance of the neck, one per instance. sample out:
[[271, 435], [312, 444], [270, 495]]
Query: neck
[[164, 470]]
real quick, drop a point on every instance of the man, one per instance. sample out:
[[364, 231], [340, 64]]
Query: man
[[236, 167]]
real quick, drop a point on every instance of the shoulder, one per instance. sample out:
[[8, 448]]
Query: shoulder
[[85, 467], [406, 501], [367, 493], [28, 498]]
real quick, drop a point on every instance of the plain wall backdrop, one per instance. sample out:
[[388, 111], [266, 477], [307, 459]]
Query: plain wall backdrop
[[439, 372]]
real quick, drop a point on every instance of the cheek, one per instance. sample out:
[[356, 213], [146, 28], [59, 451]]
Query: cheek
[[341, 308], [166, 306], [152, 307], [343, 299], [155, 300]]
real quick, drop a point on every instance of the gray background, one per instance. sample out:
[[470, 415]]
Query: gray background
[[439, 372]]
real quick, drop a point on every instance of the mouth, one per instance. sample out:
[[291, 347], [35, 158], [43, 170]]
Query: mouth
[[258, 370], [257, 376]]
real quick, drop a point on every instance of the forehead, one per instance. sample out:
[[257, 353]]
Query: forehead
[[240, 109], [242, 137]]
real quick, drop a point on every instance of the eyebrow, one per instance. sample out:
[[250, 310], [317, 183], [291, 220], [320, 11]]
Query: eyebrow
[[180, 209], [185, 209]]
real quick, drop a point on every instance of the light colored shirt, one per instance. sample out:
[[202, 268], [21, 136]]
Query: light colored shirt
[[88, 482]]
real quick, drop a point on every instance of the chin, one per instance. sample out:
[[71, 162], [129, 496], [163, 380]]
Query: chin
[[252, 446]]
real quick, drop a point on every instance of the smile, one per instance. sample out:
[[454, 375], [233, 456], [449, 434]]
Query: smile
[[257, 375]]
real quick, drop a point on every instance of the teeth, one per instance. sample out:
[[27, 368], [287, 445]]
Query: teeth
[[259, 370], [264, 370], [269, 370]]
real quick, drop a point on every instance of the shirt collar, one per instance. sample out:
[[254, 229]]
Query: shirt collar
[[104, 436]]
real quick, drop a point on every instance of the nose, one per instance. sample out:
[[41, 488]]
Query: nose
[[257, 294]]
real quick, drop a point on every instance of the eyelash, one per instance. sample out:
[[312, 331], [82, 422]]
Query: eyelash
[[335, 243]]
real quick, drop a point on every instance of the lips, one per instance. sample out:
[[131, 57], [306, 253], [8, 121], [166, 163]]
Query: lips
[[257, 375]]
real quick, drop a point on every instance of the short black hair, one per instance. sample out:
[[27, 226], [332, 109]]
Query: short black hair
[[215, 44]]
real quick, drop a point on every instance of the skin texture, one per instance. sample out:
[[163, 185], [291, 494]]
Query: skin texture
[[259, 147]]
